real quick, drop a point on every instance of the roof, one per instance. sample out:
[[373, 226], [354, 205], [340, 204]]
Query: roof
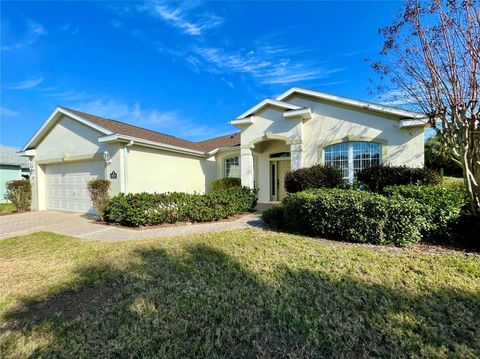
[[135, 131], [401, 113], [112, 127], [9, 156], [231, 140]]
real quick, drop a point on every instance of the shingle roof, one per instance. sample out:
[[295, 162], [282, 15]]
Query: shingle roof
[[122, 128], [230, 140], [9, 156]]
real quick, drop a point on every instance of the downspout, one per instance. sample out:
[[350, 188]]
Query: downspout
[[125, 164]]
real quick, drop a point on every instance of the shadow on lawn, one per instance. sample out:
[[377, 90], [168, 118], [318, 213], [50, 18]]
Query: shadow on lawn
[[207, 304]]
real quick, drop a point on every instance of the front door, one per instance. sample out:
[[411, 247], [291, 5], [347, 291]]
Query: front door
[[283, 167]]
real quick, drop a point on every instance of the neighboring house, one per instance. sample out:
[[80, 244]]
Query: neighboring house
[[299, 128], [12, 167]]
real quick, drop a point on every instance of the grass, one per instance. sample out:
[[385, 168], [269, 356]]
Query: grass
[[7, 208], [246, 293]]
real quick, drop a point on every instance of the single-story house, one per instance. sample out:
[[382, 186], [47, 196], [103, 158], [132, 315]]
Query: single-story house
[[299, 128], [12, 167]]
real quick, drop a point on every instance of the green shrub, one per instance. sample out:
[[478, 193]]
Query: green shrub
[[98, 189], [453, 182], [376, 178], [354, 216], [274, 217], [318, 176], [466, 230], [225, 183], [19, 192], [146, 209], [441, 207]]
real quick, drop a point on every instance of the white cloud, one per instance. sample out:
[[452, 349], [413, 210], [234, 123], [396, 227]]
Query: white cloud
[[228, 83], [261, 65], [274, 58], [33, 30], [25, 85], [171, 122], [8, 112], [68, 95], [70, 29], [183, 18]]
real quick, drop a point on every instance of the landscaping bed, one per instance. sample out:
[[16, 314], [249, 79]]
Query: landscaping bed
[[247, 293], [150, 209]]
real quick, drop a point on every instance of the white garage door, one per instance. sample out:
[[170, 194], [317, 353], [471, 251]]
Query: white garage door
[[67, 185]]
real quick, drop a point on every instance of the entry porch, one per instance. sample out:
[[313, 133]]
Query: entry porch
[[264, 165]]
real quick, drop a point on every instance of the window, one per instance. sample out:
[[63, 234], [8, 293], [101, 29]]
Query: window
[[232, 167], [351, 157], [280, 155]]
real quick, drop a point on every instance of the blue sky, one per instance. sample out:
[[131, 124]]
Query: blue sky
[[185, 69]]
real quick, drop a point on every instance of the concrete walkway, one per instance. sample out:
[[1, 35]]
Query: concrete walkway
[[77, 225]]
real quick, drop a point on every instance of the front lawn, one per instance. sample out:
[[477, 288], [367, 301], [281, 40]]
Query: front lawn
[[235, 294], [6, 208]]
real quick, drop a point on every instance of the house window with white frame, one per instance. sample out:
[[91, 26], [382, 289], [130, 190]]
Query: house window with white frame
[[232, 167], [352, 157]]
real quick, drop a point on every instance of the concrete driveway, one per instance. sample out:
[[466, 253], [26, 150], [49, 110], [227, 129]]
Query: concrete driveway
[[78, 225]]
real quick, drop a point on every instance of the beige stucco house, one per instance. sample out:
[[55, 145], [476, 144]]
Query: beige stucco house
[[299, 128]]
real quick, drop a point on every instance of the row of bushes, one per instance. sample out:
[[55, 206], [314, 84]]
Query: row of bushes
[[374, 178], [404, 215], [146, 209], [349, 215]]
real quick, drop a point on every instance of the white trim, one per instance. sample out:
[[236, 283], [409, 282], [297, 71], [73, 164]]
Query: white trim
[[412, 123], [148, 143], [53, 117], [242, 122], [266, 102], [303, 113], [351, 102], [28, 153], [223, 149]]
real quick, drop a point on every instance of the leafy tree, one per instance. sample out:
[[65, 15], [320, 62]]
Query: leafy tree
[[431, 54], [438, 156]]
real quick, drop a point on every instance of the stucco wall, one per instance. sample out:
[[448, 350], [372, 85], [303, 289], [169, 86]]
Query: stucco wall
[[153, 170], [70, 141], [332, 123], [271, 121]]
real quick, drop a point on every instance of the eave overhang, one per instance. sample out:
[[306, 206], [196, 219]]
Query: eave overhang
[[303, 114], [142, 142]]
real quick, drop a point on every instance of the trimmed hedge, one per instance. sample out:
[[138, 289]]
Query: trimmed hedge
[[226, 183], [275, 217], [19, 192], [318, 176], [376, 178], [354, 216], [441, 207], [147, 209]]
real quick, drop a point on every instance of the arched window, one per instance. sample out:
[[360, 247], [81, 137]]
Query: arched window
[[351, 157], [231, 167]]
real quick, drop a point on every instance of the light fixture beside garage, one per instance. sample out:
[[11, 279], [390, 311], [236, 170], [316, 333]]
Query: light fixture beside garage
[[106, 157]]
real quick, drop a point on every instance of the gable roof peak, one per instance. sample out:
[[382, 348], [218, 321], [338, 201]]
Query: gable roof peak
[[401, 113]]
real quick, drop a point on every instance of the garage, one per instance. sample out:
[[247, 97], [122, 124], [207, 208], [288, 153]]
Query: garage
[[66, 185]]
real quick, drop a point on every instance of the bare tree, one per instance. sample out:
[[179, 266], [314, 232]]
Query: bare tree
[[431, 53]]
